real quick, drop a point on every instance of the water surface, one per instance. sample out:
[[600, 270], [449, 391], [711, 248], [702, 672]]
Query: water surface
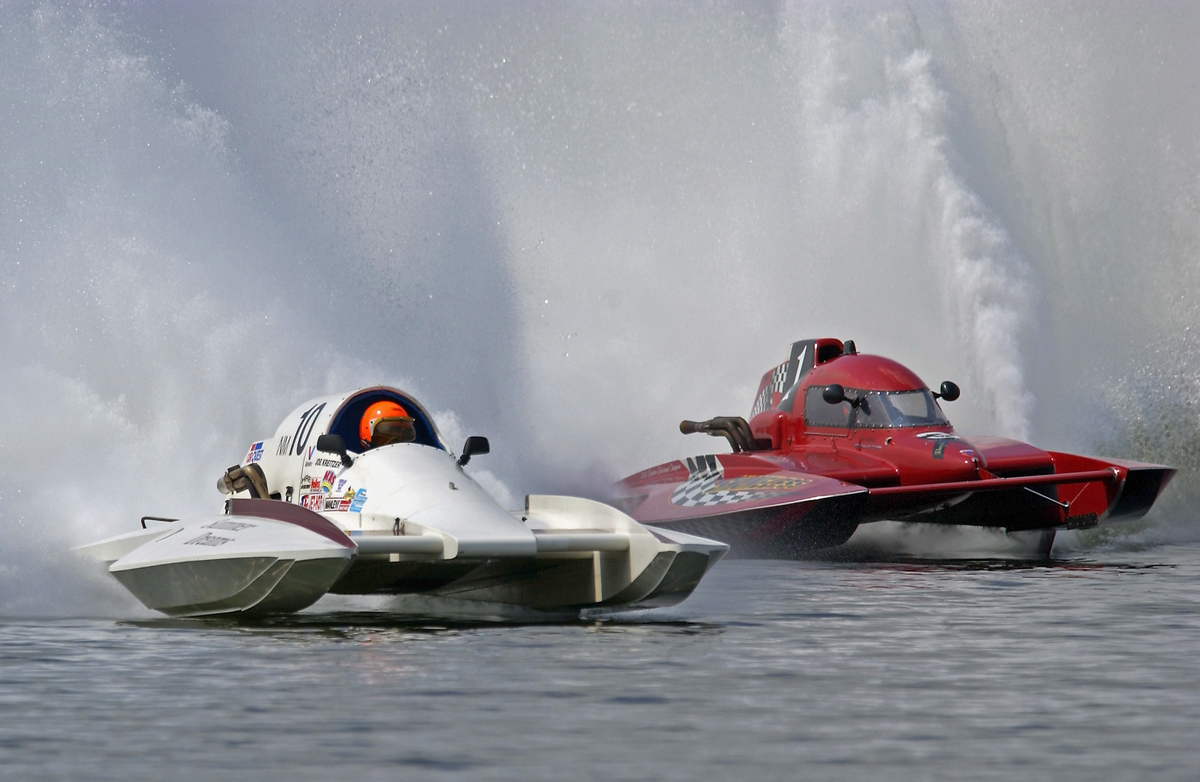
[[1081, 668]]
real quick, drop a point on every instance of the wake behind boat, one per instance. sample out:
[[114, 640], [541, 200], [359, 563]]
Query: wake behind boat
[[358, 494]]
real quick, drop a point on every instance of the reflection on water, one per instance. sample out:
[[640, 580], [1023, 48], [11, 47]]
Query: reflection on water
[[890, 540], [1084, 668], [348, 623]]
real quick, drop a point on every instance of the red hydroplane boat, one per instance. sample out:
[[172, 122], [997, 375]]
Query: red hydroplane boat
[[837, 439]]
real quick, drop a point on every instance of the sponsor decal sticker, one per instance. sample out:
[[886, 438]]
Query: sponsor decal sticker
[[256, 452], [232, 526], [207, 539], [360, 498], [312, 501], [763, 483], [654, 472]]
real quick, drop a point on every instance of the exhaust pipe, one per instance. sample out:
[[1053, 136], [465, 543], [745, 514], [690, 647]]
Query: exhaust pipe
[[732, 428]]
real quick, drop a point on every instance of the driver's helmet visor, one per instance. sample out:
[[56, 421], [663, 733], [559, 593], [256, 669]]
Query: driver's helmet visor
[[385, 431]]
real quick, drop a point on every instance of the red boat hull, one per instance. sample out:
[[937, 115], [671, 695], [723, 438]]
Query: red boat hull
[[804, 475]]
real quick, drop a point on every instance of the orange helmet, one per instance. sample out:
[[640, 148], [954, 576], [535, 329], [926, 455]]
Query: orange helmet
[[374, 413]]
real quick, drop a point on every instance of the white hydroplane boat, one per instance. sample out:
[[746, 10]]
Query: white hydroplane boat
[[317, 509]]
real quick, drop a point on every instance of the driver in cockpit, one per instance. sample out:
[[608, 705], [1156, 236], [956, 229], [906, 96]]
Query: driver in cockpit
[[385, 423]]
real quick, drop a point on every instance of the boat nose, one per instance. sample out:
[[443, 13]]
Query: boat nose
[[970, 459], [957, 459]]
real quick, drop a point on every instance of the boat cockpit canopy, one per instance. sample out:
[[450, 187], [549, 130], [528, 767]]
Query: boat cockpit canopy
[[345, 423], [874, 409]]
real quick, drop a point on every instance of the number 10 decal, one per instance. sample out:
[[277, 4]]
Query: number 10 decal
[[307, 421]]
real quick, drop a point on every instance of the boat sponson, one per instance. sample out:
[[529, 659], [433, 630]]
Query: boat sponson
[[206, 586], [681, 580]]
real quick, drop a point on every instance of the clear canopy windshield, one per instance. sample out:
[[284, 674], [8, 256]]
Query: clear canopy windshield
[[875, 409]]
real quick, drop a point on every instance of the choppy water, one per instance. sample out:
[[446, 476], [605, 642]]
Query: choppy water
[[1085, 668]]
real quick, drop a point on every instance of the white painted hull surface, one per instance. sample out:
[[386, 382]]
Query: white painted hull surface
[[425, 527], [230, 564]]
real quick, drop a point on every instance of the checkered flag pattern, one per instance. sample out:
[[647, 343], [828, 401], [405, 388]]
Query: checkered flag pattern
[[774, 385], [704, 486]]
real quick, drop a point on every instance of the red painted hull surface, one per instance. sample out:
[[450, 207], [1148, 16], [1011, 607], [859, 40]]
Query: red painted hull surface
[[804, 479]]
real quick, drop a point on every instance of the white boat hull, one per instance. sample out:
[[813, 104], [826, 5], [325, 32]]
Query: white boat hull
[[401, 518]]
